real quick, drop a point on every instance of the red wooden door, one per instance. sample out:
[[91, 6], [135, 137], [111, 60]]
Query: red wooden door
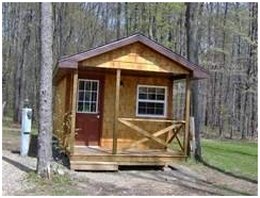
[[89, 111]]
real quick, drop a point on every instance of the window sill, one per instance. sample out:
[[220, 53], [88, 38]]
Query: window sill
[[150, 116]]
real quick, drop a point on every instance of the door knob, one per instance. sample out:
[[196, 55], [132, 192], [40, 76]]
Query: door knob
[[98, 116]]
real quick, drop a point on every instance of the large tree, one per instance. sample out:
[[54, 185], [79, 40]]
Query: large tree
[[192, 10], [45, 110]]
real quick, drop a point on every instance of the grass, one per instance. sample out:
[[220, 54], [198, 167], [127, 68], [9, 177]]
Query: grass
[[10, 134], [7, 122], [11, 137], [57, 185], [236, 157]]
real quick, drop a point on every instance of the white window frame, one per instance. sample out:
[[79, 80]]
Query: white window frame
[[152, 101], [97, 101]]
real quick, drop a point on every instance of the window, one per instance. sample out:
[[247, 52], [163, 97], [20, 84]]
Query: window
[[87, 96], [151, 101]]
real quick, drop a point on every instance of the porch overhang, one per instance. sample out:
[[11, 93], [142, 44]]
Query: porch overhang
[[73, 61]]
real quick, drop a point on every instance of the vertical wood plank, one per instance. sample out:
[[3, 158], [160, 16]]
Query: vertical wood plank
[[68, 93], [170, 99], [117, 100], [170, 108], [187, 115], [73, 111]]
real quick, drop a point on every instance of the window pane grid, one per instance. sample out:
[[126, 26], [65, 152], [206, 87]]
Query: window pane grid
[[152, 94], [151, 101], [87, 96], [151, 108]]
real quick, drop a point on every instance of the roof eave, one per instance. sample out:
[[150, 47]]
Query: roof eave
[[197, 74], [72, 61], [68, 64]]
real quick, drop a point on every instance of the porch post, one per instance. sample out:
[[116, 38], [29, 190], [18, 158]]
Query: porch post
[[187, 115], [117, 99], [73, 110]]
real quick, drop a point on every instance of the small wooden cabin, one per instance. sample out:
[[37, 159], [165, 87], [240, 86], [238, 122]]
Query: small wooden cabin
[[114, 105]]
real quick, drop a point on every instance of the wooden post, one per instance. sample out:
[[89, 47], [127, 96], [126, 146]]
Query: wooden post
[[170, 100], [73, 111], [187, 115], [115, 131]]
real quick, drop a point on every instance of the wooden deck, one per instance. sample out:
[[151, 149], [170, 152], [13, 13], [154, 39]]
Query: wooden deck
[[97, 158]]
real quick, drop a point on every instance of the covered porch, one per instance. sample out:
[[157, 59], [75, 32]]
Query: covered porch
[[130, 120], [100, 157]]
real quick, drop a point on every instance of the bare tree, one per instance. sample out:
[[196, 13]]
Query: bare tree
[[192, 54], [118, 18], [45, 110]]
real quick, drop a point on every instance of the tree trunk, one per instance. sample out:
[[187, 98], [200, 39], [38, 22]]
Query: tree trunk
[[126, 19], [221, 114], [154, 22], [242, 116], [106, 21], [135, 17], [118, 19], [192, 54], [45, 110], [17, 71]]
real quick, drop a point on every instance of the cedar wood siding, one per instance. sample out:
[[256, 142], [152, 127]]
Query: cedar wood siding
[[132, 57]]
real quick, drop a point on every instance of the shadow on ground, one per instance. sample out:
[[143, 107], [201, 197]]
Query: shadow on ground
[[17, 164], [229, 173], [58, 155], [140, 168]]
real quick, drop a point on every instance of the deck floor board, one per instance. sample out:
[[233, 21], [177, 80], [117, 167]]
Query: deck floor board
[[97, 158], [89, 150]]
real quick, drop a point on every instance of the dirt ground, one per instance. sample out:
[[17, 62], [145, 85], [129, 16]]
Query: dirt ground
[[177, 179]]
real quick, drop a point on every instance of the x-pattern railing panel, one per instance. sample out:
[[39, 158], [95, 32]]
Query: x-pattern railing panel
[[172, 130]]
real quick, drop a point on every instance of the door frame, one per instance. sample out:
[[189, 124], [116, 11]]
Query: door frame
[[86, 75]]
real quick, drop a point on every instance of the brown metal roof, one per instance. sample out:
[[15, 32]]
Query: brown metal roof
[[72, 61]]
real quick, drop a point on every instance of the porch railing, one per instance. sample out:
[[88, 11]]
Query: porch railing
[[173, 131]]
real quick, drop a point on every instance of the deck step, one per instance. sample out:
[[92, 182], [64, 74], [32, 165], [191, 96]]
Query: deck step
[[94, 166], [124, 159]]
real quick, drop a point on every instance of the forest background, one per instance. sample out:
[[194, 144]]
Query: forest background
[[227, 46]]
